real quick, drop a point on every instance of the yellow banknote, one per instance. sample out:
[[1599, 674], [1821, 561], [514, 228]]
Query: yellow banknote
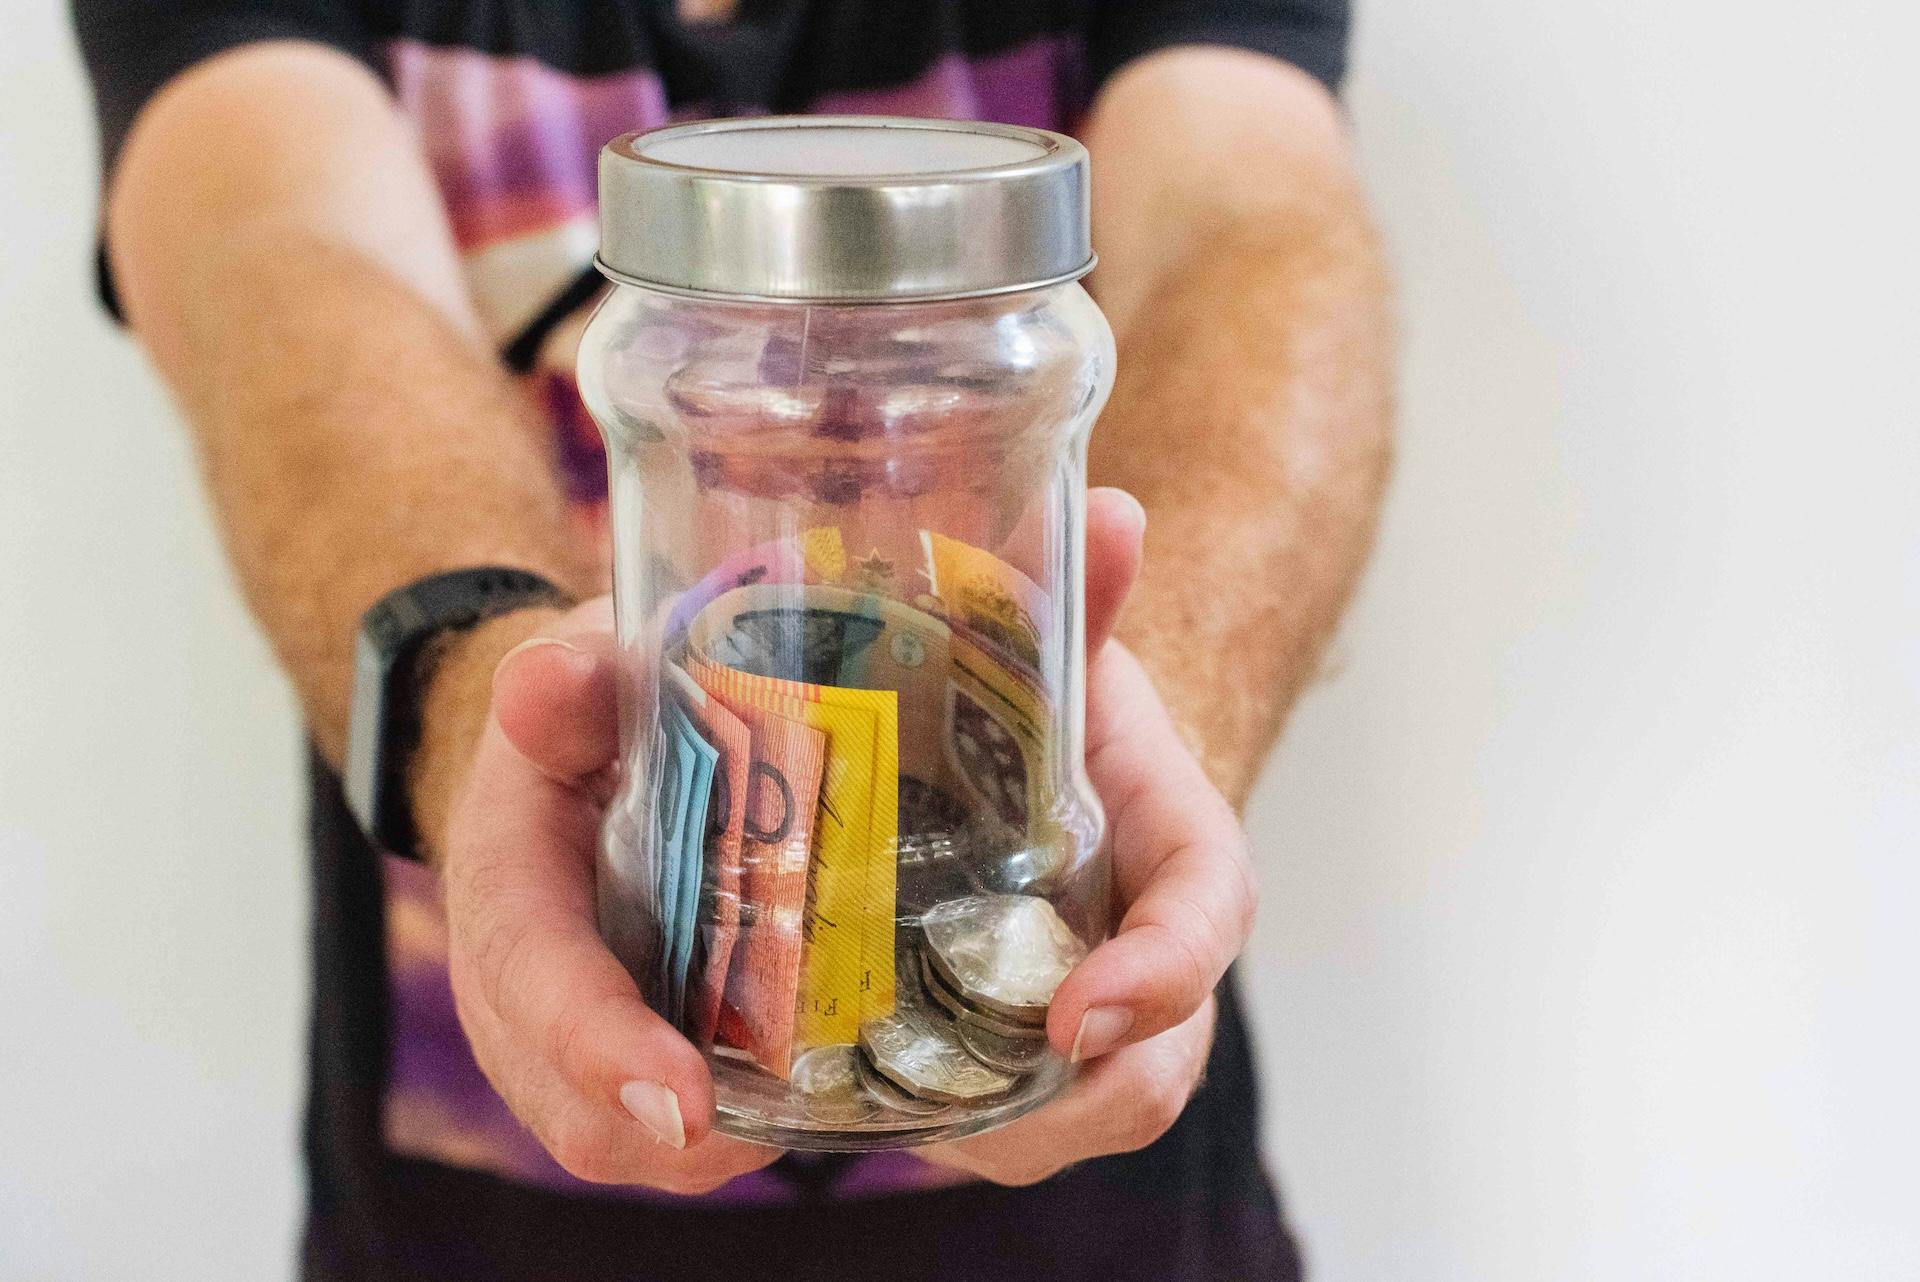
[[847, 976], [990, 598]]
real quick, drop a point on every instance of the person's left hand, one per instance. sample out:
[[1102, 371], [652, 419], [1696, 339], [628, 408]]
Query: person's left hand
[[1138, 1013]]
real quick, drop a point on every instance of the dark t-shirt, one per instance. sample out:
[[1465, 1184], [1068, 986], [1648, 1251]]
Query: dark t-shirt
[[416, 1168]]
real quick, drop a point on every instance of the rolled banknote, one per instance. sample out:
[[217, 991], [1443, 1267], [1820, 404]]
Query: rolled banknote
[[670, 790], [997, 735], [834, 636], [811, 556], [848, 968]]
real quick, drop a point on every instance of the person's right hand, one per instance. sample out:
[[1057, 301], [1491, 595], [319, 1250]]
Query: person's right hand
[[612, 1090]]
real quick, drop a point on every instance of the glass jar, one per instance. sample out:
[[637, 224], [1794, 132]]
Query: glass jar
[[846, 382]]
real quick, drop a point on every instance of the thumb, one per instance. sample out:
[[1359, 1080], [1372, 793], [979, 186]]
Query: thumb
[[556, 699], [1116, 528]]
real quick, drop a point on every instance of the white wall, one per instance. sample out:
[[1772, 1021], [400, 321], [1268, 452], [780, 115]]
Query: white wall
[[1591, 946], [1587, 950], [152, 892]]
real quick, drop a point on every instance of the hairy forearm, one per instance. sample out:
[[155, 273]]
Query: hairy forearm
[[281, 253], [1251, 418], [354, 440]]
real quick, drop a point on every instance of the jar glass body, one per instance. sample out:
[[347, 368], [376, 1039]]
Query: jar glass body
[[848, 571]]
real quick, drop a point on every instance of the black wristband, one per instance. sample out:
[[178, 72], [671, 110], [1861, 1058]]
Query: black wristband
[[394, 655]]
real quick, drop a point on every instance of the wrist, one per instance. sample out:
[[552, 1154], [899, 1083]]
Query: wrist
[[456, 697]]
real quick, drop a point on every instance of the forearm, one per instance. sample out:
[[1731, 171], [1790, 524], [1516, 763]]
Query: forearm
[[354, 441], [354, 432], [1251, 418]]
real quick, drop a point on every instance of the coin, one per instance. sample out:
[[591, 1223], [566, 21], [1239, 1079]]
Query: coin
[[908, 987], [1016, 1055], [941, 987], [889, 1096], [938, 989], [923, 1057], [827, 1080], [1007, 953], [933, 849]]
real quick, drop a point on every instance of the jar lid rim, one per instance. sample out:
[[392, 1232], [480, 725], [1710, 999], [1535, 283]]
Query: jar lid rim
[[734, 208]]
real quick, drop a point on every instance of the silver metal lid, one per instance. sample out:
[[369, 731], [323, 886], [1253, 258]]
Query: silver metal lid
[[843, 209]]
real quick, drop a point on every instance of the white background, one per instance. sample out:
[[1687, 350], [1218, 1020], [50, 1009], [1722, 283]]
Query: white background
[[1589, 948]]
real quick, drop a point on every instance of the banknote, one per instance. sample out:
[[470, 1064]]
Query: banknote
[[991, 599], [970, 712], [938, 850], [814, 555], [669, 791], [821, 636], [719, 890], [1001, 740], [833, 636], [682, 829], [762, 984], [847, 971]]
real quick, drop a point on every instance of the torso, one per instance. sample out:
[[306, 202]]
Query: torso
[[512, 102]]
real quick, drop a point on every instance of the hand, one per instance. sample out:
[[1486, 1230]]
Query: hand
[[557, 1024], [1139, 1011], [618, 1096]]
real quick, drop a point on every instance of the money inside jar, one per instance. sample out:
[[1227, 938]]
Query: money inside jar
[[804, 825], [838, 793]]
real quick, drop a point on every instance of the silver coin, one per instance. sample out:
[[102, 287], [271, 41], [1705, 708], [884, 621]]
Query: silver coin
[[942, 986], [891, 1097], [1016, 1055], [909, 989], [923, 1057], [953, 1004], [828, 1082], [1007, 953]]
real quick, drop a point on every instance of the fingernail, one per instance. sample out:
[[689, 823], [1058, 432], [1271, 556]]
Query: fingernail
[[1101, 1029], [656, 1108], [1139, 509], [532, 643]]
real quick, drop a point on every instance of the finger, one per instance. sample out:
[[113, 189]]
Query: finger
[[1180, 867], [594, 1143], [1116, 526], [1023, 546], [591, 1140], [1122, 1102], [520, 901], [556, 699]]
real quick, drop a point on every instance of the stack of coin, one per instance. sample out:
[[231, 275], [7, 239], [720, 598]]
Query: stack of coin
[[923, 1056], [1000, 957], [972, 997]]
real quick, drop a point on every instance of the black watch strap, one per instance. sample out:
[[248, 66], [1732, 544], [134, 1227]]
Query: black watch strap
[[392, 655]]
